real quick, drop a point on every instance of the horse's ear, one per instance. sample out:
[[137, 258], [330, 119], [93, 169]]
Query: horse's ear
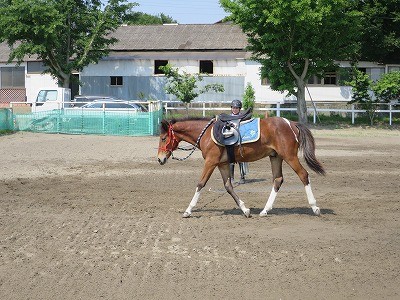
[[164, 126]]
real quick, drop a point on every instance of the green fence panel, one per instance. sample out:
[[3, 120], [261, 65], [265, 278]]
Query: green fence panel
[[5, 119], [78, 121]]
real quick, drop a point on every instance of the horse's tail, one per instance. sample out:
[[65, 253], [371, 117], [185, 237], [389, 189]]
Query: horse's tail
[[307, 146]]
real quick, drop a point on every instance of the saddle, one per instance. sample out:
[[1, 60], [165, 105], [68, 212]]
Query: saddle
[[226, 131]]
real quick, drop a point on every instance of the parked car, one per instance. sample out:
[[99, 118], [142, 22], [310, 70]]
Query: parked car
[[81, 100], [114, 105]]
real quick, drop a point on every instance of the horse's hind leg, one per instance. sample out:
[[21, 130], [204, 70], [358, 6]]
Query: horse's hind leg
[[225, 173], [276, 165], [303, 175]]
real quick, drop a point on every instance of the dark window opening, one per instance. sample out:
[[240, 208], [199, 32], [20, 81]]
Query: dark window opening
[[158, 64], [35, 67], [116, 80], [330, 78], [207, 66]]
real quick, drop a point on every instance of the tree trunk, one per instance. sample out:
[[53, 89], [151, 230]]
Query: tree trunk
[[64, 82], [301, 102]]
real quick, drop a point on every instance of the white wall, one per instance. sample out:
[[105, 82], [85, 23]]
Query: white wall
[[36, 82], [141, 67]]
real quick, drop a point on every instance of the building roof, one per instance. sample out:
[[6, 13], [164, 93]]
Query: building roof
[[170, 38], [175, 37]]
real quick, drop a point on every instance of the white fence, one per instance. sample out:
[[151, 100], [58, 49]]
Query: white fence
[[318, 107]]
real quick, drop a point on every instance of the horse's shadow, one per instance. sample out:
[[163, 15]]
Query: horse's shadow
[[294, 211], [275, 211]]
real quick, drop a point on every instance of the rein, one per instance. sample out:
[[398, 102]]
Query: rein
[[171, 134]]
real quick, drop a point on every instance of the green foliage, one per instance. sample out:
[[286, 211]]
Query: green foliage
[[387, 88], [289, 38], [184, 86], [249, 97], [380, 33], [361, 85], [140, 18], [66, 34]]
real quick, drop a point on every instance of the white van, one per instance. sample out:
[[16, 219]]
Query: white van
[[49, 99]]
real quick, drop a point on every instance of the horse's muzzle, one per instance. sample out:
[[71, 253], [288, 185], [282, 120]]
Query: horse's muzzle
[[162, 161]]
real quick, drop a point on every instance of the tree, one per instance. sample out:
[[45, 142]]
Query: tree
[[361, 96], [184, 86], [387, 88], [380, 35], [66, 35], [294, 40], [249, 96], [140, 18]]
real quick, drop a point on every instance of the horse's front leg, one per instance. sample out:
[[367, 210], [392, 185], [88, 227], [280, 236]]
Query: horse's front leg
[[276, 165], [225, 173], [208, 169]]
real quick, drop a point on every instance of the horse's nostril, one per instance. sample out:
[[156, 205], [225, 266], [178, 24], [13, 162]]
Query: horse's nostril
[[161, 162]]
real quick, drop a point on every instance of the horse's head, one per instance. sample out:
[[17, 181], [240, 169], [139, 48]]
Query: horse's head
[[168, 142]]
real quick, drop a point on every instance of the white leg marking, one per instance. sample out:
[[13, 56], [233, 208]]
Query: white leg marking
[[245, 210], [311, 200], [269, 204], [192, 204]]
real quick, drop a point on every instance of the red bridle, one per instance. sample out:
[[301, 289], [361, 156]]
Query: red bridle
[[171, 140]]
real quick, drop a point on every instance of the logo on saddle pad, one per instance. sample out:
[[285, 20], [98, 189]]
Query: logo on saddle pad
[[235, 133]]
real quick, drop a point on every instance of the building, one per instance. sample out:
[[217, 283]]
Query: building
[[131, 69]]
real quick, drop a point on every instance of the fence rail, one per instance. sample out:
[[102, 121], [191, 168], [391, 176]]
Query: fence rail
[[203, 107]]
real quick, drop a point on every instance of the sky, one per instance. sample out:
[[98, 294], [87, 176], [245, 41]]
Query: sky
[[184, 11]]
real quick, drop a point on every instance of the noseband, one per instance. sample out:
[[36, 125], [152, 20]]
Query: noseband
[[168, 147]]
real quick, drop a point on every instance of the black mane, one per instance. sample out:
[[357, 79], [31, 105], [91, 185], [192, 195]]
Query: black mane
[[165, 123], [173, 121]]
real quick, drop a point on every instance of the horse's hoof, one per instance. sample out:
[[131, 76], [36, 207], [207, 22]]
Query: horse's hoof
[[247, 213], [317, 211], [263, 214], [186, 215]]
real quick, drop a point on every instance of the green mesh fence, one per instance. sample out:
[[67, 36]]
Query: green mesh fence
[[79, 121], [5, 119]]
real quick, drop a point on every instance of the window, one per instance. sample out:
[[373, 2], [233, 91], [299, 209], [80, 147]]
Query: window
[[47, 95], [264, 81], [330, 78], [314, 80], [12, 77], [116, 80], [35, 67], [158, 64], [206, 66]]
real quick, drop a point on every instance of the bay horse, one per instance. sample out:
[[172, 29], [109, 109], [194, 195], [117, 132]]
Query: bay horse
[[280, 139]]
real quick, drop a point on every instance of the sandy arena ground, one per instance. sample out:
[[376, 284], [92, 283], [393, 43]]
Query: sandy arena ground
[[95, 217]]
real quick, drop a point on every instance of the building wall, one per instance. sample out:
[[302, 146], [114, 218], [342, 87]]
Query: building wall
[[139, 78], [234, 74]]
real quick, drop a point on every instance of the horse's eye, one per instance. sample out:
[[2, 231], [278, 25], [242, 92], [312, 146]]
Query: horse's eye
[[163, 139]]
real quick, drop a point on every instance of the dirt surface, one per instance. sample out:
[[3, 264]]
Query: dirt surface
[[95, 217]]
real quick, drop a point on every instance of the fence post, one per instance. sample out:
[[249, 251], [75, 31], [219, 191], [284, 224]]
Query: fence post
[[278, 109], [314, 116], [204, 109], [166, 108], [390, 114], [352, 114]]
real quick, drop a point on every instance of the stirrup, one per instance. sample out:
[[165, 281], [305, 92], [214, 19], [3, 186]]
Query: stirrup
[[228, 133]]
